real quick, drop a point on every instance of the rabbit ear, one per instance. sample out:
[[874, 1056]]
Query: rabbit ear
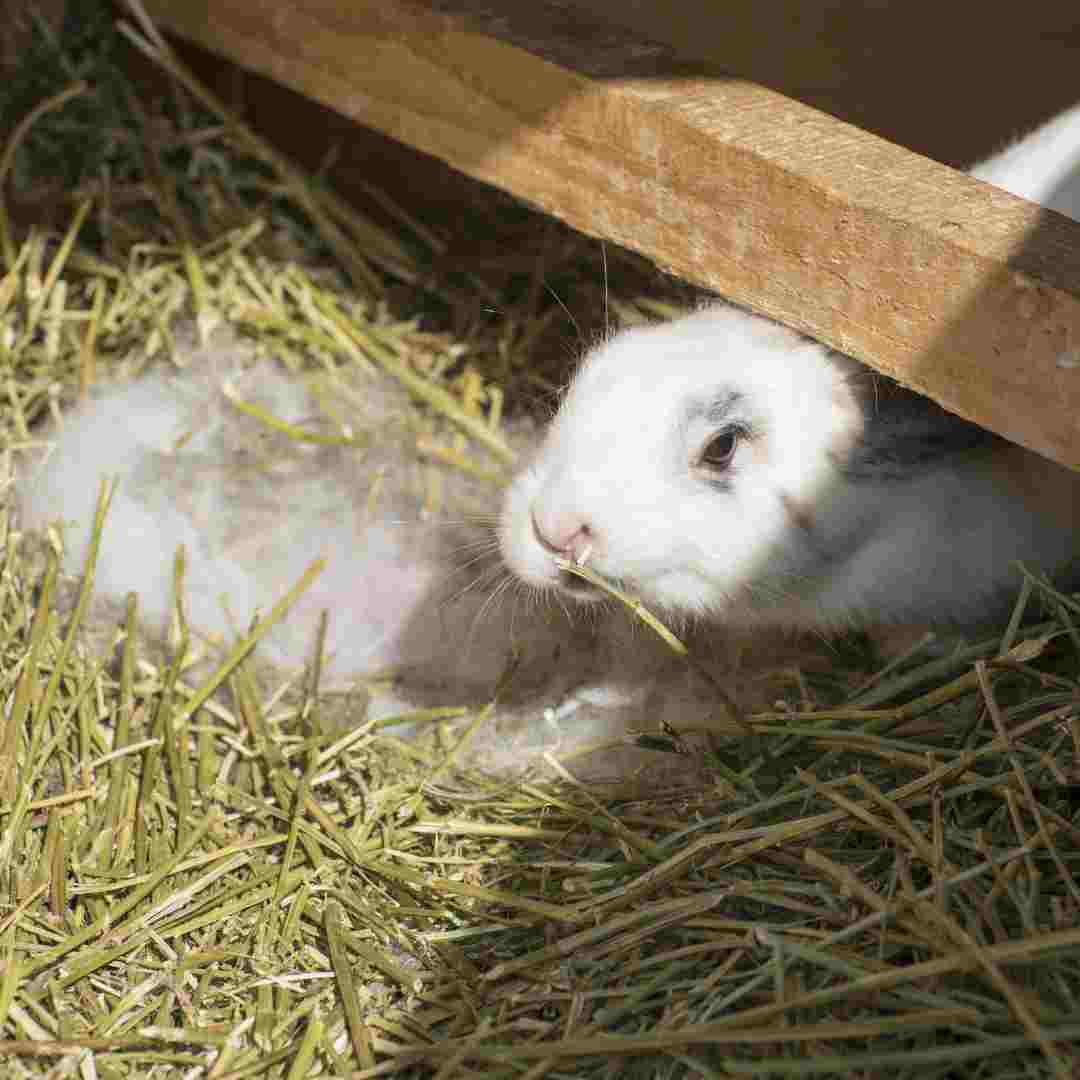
[[1043, 166]]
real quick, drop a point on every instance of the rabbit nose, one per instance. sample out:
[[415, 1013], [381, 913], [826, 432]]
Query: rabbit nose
[[566, 535]]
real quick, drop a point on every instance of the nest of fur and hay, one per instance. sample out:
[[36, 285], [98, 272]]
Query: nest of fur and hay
[[210, 877]]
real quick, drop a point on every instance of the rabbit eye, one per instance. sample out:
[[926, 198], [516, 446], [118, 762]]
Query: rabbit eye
[[719, 450]]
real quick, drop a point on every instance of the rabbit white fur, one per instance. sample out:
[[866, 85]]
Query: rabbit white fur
[[1044, 166], [727, 467], [253, 508]]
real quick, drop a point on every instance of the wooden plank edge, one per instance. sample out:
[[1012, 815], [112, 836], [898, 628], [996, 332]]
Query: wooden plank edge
[[956, 289]]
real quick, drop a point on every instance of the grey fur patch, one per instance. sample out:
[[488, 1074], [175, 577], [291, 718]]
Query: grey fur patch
[[715, 408], [906, 434]]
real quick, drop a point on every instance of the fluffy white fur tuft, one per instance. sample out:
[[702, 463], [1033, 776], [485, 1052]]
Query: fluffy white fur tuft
[[253, 509]]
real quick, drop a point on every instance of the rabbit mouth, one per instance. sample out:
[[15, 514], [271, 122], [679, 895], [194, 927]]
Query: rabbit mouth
[[585, 591]]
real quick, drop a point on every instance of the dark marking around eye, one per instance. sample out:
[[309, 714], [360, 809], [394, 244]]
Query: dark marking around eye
[[714, 409], [721, 407], [720, 412], [714, 461]]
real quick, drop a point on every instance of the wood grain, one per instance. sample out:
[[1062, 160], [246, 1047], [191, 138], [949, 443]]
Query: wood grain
[[956, 289]]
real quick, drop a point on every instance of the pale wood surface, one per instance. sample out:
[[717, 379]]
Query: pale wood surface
[[961, 291]]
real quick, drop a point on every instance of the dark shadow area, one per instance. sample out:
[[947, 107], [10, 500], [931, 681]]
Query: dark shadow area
[[952, 81]]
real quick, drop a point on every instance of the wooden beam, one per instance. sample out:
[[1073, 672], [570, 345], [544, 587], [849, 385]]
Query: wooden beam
[[956, 289]]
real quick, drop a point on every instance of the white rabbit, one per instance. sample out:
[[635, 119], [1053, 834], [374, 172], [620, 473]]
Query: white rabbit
[[727, 467]]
